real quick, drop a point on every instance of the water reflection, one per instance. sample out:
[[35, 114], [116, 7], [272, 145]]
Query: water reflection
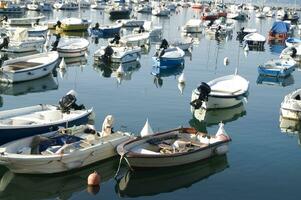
[[289, 126], [156, 181], [1, 101], [60, 186], [203, 118], [160, 73], [278, 81], [110, 70], [276, 47], [38, 85], [75, 61]]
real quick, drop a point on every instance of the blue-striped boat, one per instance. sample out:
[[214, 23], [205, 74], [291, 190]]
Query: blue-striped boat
[[38, 119], [169, 58], [277, 68], [292, 41]]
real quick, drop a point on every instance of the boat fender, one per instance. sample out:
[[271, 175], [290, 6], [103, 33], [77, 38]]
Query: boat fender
[[221, 150]]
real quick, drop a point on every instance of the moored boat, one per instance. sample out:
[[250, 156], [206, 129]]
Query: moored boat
[[28, 67], [254, 39], [169, 57], [60, 151], [291, 105], [173, 148], [223, 92], [193, 26], [277, 67]]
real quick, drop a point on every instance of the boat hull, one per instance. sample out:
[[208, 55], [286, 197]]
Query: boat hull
[[168, 63], [13, 133], [275, 72]]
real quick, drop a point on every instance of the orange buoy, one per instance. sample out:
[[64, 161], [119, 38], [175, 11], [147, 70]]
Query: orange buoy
[[94, 179]]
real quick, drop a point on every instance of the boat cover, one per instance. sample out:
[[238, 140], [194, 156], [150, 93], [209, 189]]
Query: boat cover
[[280, 27]]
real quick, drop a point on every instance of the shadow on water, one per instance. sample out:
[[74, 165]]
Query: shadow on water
[[156, 181], [205, 118], [57, 186], [159, 74]]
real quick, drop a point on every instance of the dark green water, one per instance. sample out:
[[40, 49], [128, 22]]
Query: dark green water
[[263, 162]]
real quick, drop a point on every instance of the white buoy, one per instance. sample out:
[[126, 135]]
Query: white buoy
[[120, 70], [147, 129], [226, 61], [181, 87], [181, 78], [246, 47], [62, 64]]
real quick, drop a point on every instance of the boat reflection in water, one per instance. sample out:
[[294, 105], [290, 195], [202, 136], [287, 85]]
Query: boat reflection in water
[[76, 61], [277, 81], [111, 70], [290, 127], [38, 85], [159, 73], [203, 118], [1, 101], [58, 186], [276, 47], [156, 181]]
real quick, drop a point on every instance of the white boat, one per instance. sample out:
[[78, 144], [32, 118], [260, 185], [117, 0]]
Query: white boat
[[8, 7], [32, 120], [130, 22], [26, 21], [136, 39], [144, 8], [35, 6], [254, 39], [193, 26], [291, 105], [117, 54], [185, 45], [223, 92], [292, 52], [35, 31], [72, 47], [160, 11], [66, 5], [173, 148], [47, 154], [98, 5], [260, 14], [74, 24], [154, 31], [277, 67], [18, 41], [28, 67]]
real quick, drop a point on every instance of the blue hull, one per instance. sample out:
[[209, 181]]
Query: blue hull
[[7, 135], [166, 63], [275, 72], [105, 32]]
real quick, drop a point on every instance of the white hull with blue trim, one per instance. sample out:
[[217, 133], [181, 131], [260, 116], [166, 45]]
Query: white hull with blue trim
[[277, 68], [169, 58], [291, 105]]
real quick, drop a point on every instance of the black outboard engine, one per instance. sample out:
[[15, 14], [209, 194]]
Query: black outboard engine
[[96, 27], [204, 91], [68, 102], [164, 44], [106, 57], [58, 24], [4, 19], [294, 52], [5, 42], [115, 39]]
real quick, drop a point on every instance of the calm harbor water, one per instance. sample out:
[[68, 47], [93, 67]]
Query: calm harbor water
[[263, 162]]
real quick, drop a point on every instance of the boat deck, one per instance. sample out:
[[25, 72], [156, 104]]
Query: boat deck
[[21, 65]]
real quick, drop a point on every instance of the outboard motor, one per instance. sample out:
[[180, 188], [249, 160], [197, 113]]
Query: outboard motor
[[96, 27], [141, 29], [294, 52], [115, 39], [5, 42], [4, 19], [204, 91], [68, 102], [164, 44], [106, 57], [58, 24]]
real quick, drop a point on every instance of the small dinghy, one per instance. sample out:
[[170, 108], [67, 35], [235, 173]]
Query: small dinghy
[[136, 39], [293, 52], [71, 47], [173, 148], [255, 39], [74, 24], [33, 120], [130, 22], [278, 67], [168, 57], [223, 92], [18, 41], [193, 26], [28, 67], [26, 21], [292, 42], [104, 30], [117, 54], [60, 151], [291, 105]]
